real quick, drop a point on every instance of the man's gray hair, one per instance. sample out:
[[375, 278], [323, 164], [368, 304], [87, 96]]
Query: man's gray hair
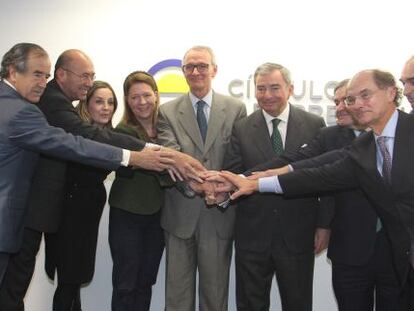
[[268, 68], [17, 56], [203, 48], [341, 84]]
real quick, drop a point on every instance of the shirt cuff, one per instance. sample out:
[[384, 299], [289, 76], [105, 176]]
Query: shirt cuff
[[126, 154], [270, 184], [151, 145]]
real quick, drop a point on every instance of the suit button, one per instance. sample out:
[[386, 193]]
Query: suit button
[[275, 211]]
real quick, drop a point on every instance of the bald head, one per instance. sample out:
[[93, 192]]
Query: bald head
[[74, 73], [407, 79], [67, 57]]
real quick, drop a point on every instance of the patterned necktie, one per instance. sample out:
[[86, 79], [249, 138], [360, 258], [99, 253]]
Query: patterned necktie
[[277, 143], [201, 119], [386, 163]]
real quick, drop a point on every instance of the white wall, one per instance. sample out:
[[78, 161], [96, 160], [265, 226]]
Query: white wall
[[318, 41]]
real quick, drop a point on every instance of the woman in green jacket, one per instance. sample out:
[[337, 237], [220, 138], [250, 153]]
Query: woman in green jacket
[[135, 236]]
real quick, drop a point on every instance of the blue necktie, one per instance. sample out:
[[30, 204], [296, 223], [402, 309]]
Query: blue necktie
[[277, 143], [201, 119]]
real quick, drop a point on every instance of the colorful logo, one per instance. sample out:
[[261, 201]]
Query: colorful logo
[[169, 77]]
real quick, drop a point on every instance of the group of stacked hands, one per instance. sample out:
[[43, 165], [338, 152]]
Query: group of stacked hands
[[217, 187]]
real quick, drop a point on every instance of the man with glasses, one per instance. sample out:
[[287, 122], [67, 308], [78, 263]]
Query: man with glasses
[[378, 162], [360, 253], [73, 77], [198, 238]]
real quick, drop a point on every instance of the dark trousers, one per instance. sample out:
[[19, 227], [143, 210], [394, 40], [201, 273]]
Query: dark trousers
[[255, 271], [408, 292], [137, 244], [67, 298], [4, 261], [356, 286], [19, 272]]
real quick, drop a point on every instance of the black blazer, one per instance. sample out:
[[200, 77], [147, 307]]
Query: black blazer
[[46, 193], [257, 215], [394, 204], [353, 228]]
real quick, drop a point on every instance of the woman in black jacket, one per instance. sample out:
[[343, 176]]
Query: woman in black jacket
[[71, 251]]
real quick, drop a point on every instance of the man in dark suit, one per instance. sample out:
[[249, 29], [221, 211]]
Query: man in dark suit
[[378, 162], [25, 132], [358, 248], [198, 238], [74, 75], [274, 235]]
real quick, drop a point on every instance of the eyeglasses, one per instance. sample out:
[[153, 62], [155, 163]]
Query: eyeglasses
[[84, 77], [201, 68], [363, 96], [337, 101]]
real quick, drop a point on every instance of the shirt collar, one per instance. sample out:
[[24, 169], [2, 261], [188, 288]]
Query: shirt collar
[[390, 127], [9, 84], [208, 99], [284, 116]]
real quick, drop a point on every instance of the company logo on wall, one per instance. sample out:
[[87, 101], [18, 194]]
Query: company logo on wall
[[170, 79], [171, 84]]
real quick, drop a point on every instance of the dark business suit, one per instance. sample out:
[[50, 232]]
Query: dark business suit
[[394, 204], [45, 206], [269, 226], [361, 258], [25, 133]]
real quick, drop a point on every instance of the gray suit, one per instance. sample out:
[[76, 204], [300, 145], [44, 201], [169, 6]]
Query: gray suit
[[189, 222], [24, 132]]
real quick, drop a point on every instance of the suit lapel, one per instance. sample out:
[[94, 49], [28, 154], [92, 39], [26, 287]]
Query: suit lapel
[[347, 137], [215, 121], [187, 118], [294, 130], [368, 158], [401, 153], [261, 132]]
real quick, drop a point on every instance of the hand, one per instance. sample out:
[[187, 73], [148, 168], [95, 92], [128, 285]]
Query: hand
[[268, 173], [196, 186], [243, 185], [207, 189], [187, 167], [321, 239], [222, 184], [152, 159], [209, 193]]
